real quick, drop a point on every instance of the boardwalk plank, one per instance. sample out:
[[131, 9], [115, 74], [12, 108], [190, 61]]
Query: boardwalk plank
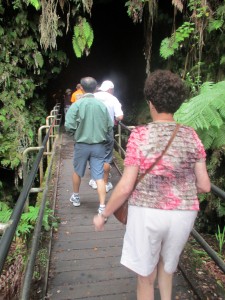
[[85, 264]]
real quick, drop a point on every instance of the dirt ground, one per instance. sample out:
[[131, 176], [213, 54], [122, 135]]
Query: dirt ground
[[206, 276]]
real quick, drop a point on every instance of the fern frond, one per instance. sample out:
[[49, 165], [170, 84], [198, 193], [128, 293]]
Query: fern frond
[[206, 114], [76, 48], [90, 39], [82, 38], [5, 215], [76, 31], [207, 136], [165, 49], [81, 43], [205, 110], [206, 86], [23, 229], [215, 25], [3, 206], [86, 29], [219, 139], [31, 215]]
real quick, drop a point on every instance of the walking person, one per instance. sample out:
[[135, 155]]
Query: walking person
[[105, 95], [77, 94], [163, 206], [89, 122], [67, 102]]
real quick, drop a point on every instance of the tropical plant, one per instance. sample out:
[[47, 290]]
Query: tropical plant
[[82, 38], [28, 220], [170, 45], [206, 113], [25, 70], [220, 236]]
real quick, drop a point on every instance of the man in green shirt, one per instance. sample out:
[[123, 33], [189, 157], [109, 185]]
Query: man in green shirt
[[89, 122]]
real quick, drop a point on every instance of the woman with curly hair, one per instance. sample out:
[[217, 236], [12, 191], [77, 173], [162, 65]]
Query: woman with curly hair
[[164, 204]]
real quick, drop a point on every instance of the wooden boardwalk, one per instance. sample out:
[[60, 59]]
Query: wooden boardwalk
[[85, 264]]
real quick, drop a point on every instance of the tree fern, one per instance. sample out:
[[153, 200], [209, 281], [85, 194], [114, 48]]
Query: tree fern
[[171, 44], [82, 38], [206, 114], [207, 136], [219, 139]]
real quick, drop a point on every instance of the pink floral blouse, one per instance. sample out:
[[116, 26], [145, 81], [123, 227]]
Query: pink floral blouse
[[170, 185]]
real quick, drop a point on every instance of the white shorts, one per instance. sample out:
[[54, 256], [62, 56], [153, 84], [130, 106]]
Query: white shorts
[[151, 233]]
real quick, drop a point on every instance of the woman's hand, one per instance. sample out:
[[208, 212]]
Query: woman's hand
[[99, 222]]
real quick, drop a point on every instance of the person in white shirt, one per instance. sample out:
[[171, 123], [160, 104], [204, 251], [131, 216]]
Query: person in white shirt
[[105, 94]]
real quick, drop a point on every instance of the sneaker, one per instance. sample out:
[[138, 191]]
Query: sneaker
[[101, 210], [93, 184], [108, 187], [75, 200]]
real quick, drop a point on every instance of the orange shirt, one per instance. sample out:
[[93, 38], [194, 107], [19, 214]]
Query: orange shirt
[[76, 95]]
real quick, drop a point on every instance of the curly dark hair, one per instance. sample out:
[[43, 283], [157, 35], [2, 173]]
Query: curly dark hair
[[165, 90]]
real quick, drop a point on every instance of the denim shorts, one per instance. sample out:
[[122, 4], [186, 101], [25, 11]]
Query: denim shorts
[[94, 153], [109, 145]]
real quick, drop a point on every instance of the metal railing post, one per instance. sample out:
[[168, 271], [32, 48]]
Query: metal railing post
[[119, 138], [25, 169], [41, 167]]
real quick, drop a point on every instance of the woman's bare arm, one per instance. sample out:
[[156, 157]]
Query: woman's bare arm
[[202, 178]]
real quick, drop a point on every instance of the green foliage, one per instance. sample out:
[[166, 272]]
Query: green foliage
[[193, 81], [24, 73], [5, 213], [206, 113], [220, 236], [215, 25], [35, 3], [135, 9], [171, 44], [82, 38], [28, 220], [217, 21]]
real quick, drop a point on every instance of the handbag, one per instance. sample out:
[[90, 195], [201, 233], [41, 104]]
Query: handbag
[[122, 211]]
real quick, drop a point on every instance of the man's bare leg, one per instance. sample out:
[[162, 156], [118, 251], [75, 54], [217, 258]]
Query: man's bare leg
[[106, 172], [101, 191], [76, 182]]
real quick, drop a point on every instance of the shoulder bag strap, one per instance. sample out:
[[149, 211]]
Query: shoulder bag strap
[[158, 158]]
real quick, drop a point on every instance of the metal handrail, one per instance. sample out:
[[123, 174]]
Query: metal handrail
[[214, 189], [10, 227]]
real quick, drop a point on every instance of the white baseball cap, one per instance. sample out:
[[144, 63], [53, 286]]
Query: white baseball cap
[[106, 85]]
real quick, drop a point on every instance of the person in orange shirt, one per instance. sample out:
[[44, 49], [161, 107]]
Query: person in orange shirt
[[77, 94]]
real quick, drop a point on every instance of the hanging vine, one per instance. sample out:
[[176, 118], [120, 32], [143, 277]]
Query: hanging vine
[[148, 28], [48, 24]]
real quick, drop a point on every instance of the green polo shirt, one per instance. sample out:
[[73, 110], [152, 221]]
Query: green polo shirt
[[88, 120]]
